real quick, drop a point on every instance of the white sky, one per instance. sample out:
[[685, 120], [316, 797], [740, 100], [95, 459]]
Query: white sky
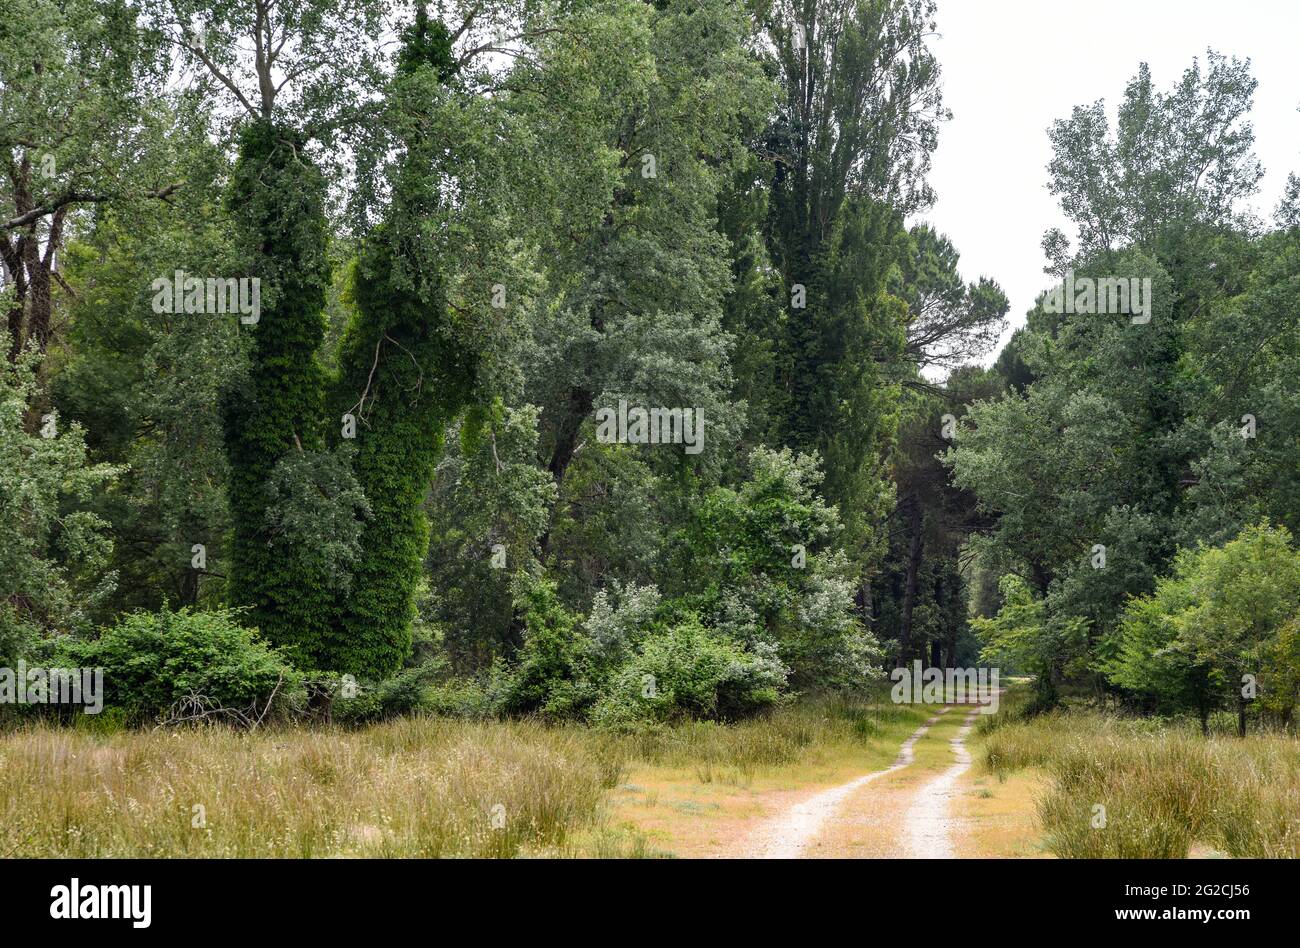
[[1010, 67]]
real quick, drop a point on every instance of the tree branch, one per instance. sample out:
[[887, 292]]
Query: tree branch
[[79, 197]]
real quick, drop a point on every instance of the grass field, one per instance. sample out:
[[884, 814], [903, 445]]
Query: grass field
[[1073, 784], [417, 787], [1127, 788]]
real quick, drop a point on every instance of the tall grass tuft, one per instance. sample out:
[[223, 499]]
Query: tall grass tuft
[[420, 786], [413, 787], [798, 732], [1163, 787]]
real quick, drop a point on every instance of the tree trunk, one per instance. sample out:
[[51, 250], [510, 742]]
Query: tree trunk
[[950, 647], [942, 592], [566, 443], [40, 306], [914, 553], [1042, 579], [862, 598], [566, 433], [15, 266]]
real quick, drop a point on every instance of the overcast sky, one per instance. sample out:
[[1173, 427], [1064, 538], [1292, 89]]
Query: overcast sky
[[1010, 67]]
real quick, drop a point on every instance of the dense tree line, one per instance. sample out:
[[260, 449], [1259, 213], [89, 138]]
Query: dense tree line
[[1155, 454], [480, 227]]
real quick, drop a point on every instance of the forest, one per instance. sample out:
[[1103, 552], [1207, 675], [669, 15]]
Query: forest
[[580, 385]]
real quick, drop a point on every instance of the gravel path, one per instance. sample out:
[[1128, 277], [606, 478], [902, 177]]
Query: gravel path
[[786, 836], [928, 823]]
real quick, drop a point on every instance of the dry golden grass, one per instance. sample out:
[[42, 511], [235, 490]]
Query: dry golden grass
[[1163, 787], [416, 787], [999, 818], [431, 787], [421, 786]]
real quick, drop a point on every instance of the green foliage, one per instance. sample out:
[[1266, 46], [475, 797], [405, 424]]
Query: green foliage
[[603, 525], [845, 406], [81, 83], [426, 43], [307, 64], [626, 207], [399, 694], [919, 597], [1153, 663], [1144, 437], [637, 283], [760, 561], [635, 662], [553, 673], [275, 410], [1226, 613], [949, 323], [54, 552], [410, 359], [851, 168], [689, 672], [146, 385], [1025, 638], [172, 665], [314, 511], [1175, 159], [489, 505]]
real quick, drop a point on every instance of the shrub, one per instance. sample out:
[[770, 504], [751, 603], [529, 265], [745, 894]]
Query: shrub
[[551, 676], [761, 562], [459, 698], [1226, 613], [690, 672], [16, 636], [157, 664], [394, 696], [54, 555], [633, 664]]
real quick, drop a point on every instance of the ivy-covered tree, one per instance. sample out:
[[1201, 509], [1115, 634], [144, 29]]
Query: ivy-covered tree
[[406, 367], [274, 417], [293, 504]]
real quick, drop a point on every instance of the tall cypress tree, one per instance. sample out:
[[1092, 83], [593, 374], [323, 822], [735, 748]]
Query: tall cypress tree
[[277, 200], [403, 374]]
